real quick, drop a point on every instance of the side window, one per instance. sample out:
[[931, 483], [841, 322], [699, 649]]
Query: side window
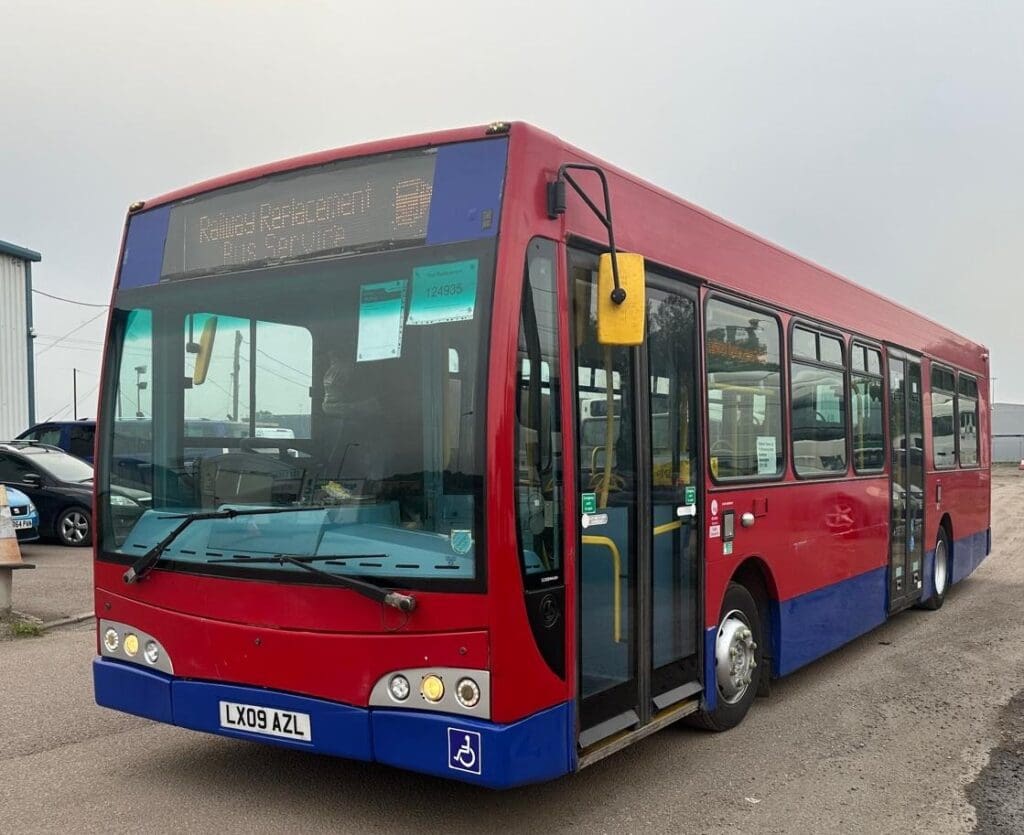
[[283, 356], [967, 419], [81, 440], [866, 423], [744, 392], [132, 443], [46, 435], [218, 406], [537, 426], [259, 376], [818, 387], [13, 470], [943, 418]]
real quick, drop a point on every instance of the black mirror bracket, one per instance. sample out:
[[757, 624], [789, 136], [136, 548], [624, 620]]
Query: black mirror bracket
[[557, 204]]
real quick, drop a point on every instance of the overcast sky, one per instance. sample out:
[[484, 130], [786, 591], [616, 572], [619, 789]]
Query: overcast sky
[[884, 140]]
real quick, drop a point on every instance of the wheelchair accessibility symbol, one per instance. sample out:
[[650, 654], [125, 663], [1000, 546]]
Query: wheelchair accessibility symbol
[[464, 750]]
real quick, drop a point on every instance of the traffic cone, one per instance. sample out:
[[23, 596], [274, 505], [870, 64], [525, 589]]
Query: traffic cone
[[10, 553]]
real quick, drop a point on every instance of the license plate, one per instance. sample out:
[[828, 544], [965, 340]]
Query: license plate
[[21, 524], [285, 724]]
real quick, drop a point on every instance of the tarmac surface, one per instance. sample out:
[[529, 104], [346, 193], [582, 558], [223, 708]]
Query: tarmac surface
[[916, 727]]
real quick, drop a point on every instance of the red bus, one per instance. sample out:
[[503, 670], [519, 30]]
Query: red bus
[[498, 499]]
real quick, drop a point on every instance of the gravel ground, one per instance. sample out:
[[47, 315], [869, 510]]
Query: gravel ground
[[915, 727]]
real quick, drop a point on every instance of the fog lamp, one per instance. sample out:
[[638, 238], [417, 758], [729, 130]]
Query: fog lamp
[[111, 640], [432, 688], [152, 652], [131, 644], [467, 692], [399, 688]]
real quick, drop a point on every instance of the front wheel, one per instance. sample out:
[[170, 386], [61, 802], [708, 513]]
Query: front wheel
[[940, 573], [738, 655], [74, 527]]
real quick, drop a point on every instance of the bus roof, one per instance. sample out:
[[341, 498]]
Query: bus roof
[[675, 233]]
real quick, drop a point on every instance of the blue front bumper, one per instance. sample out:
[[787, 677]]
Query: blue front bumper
[[539, 747], [28, 534]]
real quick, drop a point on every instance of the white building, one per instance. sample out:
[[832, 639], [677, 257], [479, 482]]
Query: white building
[[1008, 432], [17, 377]]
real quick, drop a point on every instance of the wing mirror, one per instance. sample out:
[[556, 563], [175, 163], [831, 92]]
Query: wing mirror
[[205, 351]]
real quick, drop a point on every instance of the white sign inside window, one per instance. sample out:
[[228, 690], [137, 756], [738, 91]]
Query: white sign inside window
[[766, 457]]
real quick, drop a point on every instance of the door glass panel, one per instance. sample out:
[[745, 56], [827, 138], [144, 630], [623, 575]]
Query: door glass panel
[[898, 442], [915, 475], [607, 468], [670, 327], [906, 430]]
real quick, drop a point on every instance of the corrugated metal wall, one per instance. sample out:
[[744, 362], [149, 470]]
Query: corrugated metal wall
[[13, 348]]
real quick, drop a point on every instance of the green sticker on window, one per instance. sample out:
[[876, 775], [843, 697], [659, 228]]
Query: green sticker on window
[[589, 502], [443, 293], [690, 495]]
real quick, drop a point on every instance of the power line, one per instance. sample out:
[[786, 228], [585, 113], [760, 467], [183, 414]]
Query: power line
[[69, 301], [73, 330], [73, 403]]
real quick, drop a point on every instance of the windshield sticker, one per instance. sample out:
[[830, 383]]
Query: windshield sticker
[[381, 310], [443, 293], [461, 541]]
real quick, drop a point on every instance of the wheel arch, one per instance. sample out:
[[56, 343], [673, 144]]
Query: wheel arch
[[756, 576], [946, 524]]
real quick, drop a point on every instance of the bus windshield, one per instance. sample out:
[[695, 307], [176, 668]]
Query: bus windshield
[[354, 385]]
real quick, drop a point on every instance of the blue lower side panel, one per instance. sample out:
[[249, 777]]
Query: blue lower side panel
[[539, 747], [810, 625], [968, 553]]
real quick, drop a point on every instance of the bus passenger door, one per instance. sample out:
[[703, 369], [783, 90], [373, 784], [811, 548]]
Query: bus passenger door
[[906, 451], [638, 568]]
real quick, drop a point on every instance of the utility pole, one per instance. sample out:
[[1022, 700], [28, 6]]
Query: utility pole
[[74, 389], [234, 375]]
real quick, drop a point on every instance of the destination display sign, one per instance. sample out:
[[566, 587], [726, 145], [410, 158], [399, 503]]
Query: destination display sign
[[343, 206]]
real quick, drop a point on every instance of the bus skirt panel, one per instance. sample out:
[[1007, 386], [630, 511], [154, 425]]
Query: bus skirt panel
[[538, 747]]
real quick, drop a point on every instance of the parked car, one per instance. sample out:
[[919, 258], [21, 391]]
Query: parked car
[[60, 486], [76, 437], [24, 515]]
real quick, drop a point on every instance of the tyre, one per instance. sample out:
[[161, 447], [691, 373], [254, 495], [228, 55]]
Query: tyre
[[74, 527], [739, 649], [941, 572]]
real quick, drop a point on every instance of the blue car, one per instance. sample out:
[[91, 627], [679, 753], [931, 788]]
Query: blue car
[[24, 515]]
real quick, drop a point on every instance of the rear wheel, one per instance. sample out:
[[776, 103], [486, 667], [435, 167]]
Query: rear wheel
[[74, 527], [738, 655], [940, 572]]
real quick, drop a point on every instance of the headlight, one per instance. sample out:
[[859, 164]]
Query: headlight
[[399, 688], [467, 692], [117, 500], [131, 644], [432, 688], [152, 652], [111, 640]]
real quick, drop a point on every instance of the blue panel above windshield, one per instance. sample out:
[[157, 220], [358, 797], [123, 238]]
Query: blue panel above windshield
[[144, 248], [466, 199]]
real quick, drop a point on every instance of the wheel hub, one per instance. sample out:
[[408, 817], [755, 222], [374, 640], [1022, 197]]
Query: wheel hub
[[735, 657], [941, 566]]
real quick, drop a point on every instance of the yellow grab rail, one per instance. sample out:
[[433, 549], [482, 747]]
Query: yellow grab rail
[[609, 543], [617, 585]]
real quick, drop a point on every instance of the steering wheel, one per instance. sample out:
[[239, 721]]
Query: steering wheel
[[721, 447]]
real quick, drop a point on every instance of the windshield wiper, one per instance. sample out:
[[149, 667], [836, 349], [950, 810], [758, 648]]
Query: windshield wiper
[[397, 600], [147, 560]]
